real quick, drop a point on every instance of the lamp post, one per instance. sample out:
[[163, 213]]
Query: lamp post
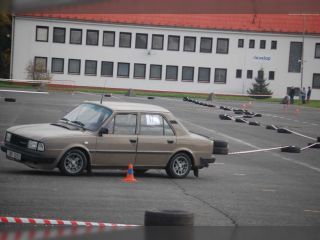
[[302, 54]]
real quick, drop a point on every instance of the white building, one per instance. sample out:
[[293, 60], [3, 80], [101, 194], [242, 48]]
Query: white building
[[176, 53]]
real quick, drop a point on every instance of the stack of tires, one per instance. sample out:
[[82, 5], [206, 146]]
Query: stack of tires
[[220, 147]]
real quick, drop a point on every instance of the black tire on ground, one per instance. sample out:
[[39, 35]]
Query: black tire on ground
[[150, 97], [220, 150], [73, 162], [238, 112], [241, 120], [220, 143], [9, 99], [254, 123], [225, 117], [247, 116], [140, 171], [222, 107], [316, 145], [271, 127], [258, 115], [168, 218], [283, 130], [179, 165], [227, 109], [108, 95], [291, 149], [318, 139]]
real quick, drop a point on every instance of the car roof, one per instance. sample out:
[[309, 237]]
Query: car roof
[[127, 106]]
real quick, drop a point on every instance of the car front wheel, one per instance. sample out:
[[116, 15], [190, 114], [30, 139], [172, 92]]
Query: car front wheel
[[179, 166], [73, 162]]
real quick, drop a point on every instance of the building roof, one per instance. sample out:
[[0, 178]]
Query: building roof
[[127, 106], [275, 23]]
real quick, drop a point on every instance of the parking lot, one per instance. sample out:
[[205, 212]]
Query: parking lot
[[270, 188]]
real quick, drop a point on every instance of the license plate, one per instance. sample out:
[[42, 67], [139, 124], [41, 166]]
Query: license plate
[[14, 155]]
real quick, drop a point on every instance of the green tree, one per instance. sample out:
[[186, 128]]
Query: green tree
[[5, 44], [260, 87]]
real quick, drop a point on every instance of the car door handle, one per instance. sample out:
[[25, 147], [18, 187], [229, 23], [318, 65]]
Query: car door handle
[[133, 140], [170, 141]]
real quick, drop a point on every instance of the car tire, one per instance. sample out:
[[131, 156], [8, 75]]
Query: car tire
[[283, 130], [258, 115], [271, 127], [291, 149], [238, 112], [150, 97], [220, 150], [168, 218], [225, 117], [241, 120], [73, 162], [179, 166], [220, 143], [254, 123]]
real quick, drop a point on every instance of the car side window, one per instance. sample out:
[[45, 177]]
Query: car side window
[[154, 125], [124, 124]]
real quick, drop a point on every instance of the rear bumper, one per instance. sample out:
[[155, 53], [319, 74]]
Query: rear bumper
[[28, 156], [204, 162]]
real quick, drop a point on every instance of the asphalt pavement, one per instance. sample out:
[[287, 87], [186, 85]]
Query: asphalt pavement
[[254, 189]]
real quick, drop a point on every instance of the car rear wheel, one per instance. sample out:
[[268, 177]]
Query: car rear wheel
[[179, 166], [73, 162]]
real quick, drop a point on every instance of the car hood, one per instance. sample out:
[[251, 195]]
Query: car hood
[[44, 131]]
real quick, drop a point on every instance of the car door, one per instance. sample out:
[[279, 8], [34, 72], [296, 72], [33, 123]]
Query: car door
[[118, 147], [156, 141]]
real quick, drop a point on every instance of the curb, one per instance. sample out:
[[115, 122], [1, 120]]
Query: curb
[[19, 220]]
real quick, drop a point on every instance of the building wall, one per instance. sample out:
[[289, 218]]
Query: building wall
[[26, 48]]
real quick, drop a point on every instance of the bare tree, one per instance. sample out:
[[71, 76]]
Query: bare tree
[[37, 71]]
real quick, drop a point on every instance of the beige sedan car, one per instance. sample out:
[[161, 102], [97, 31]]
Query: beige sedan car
[[110, 135]]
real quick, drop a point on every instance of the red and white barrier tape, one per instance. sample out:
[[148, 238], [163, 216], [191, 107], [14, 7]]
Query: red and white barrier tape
[[60, 222]]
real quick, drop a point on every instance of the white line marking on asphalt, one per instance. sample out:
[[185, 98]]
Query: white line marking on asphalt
[[258, 150], [219, 163], [312, 211], [18, 91], [309, 146], [256, 147], [299, 134], [239, 174]]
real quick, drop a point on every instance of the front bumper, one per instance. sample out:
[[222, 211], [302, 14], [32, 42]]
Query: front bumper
[[28, 156], [204, 162]]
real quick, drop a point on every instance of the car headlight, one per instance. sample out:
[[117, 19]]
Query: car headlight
[[40, 147], [32, 144], [8, 137]]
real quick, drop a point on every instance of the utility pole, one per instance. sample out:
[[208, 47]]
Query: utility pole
[[302, 55]]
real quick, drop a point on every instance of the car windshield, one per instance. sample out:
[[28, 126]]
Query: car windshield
[[88, 116]]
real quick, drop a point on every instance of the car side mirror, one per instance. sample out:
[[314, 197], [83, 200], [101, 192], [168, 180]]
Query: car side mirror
[[103, 131]]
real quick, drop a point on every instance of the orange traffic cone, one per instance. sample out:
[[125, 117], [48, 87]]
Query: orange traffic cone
[[130, 176], [297, 110]]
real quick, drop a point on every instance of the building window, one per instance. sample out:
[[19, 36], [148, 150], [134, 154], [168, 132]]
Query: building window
[[274, 44], [155, 72], [92, 37], [240, 43], [108, 38], [40, 64], [317, 51], [74, 66], [187, 74], [125, 40], [123, 69], [173, 43], [157, 42], [75, 36], [141, 41], [59, 35], [249, 74], [251, 43], [239, 73], [139, 70], [42, 34], [172, 73], [57, 65], [271, 75], [316, 81], [107, 69], [204, 75], [206, 45], [295, 57], [220, 75], [189, 44], [90, 67], [262, 44], [223, 45]]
